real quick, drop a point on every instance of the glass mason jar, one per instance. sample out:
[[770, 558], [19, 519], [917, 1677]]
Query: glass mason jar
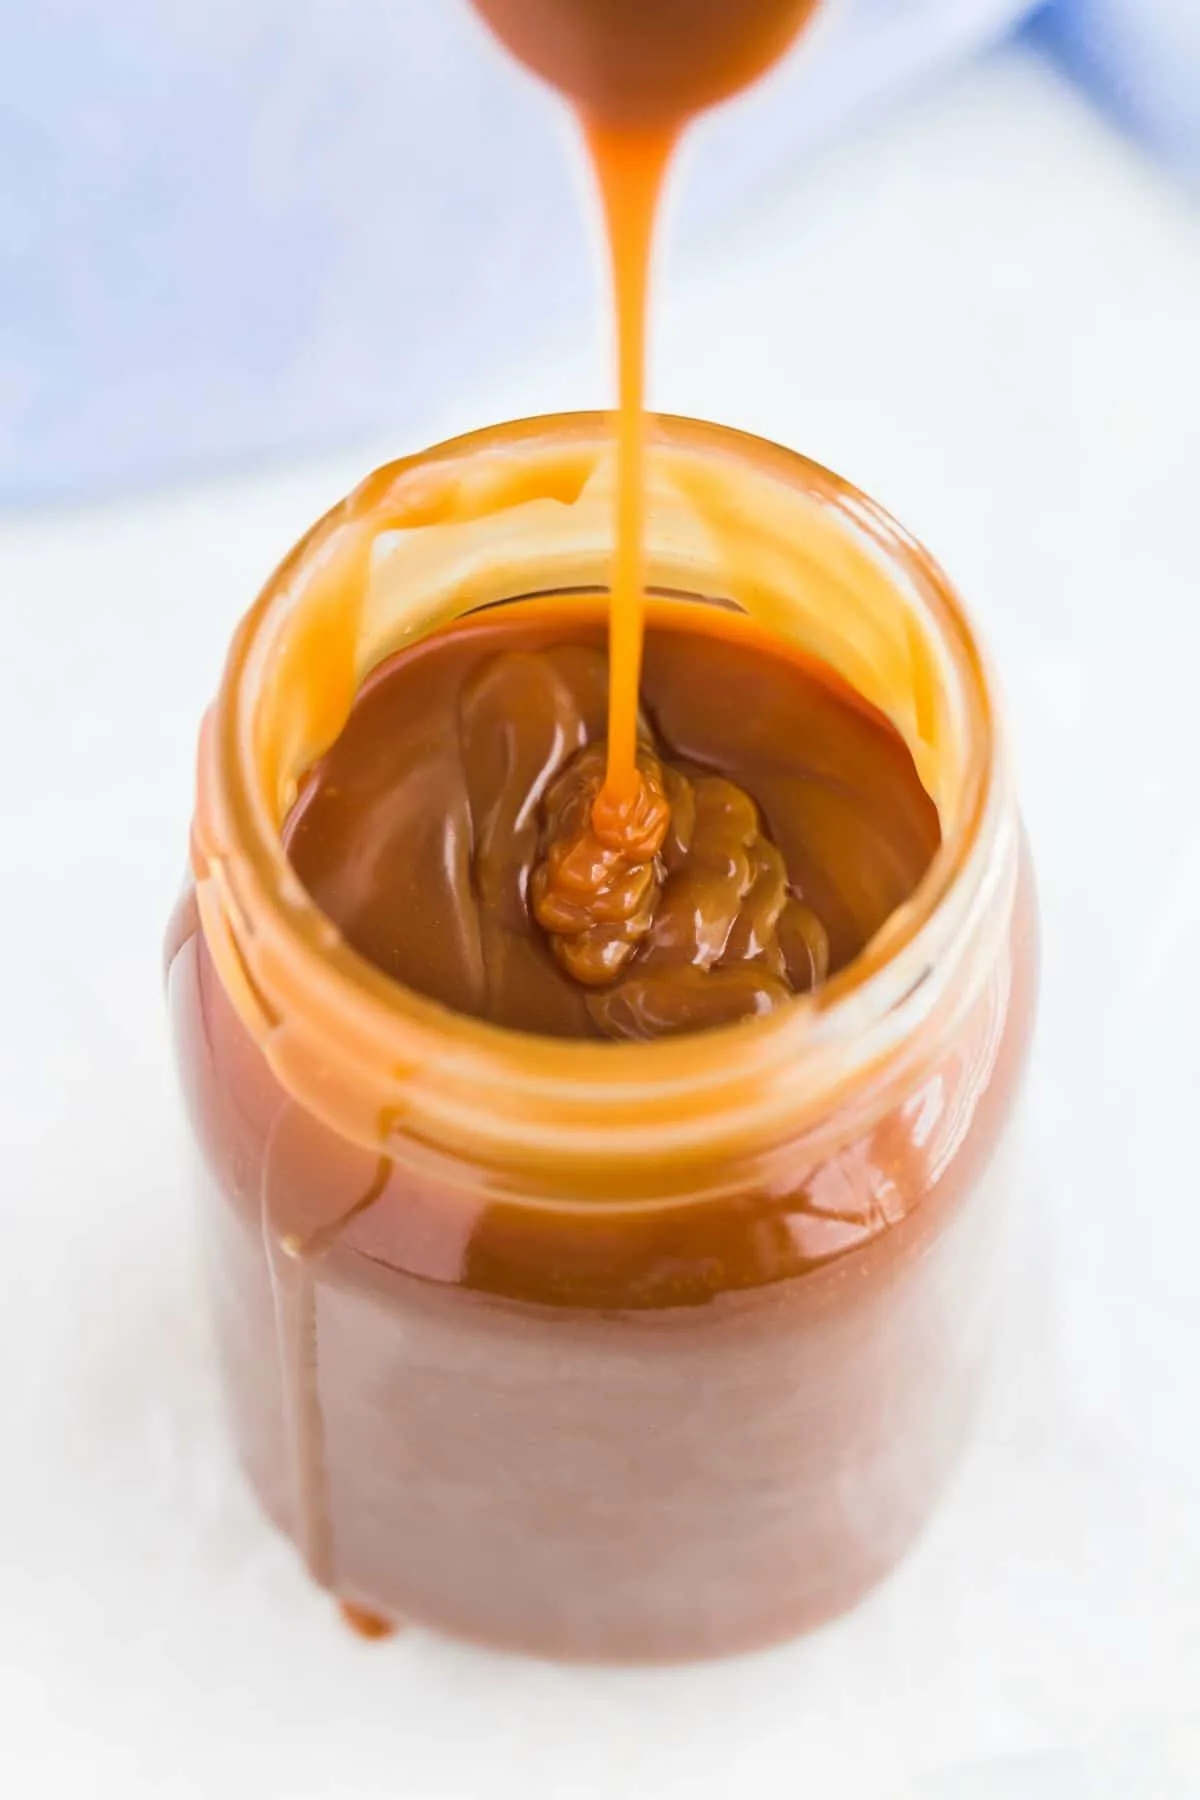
[[590, 1349]]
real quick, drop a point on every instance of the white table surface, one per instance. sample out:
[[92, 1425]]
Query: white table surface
[[986, 312]]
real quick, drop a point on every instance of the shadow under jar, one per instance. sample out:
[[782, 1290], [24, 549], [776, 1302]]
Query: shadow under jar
[[595, 1350]]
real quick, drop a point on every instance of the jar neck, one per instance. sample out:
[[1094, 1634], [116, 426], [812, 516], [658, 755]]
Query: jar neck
[[526, 508]]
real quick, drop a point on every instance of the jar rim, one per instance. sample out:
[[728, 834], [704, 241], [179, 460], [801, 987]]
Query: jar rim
[[459, 1081]]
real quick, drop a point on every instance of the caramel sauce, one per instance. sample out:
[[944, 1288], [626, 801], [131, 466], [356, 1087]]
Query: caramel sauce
[[456, 831], [637, 71], [639, 63], [366, 1624]]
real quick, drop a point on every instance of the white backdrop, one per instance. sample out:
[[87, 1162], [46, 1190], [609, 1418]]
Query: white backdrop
[[984, 310]]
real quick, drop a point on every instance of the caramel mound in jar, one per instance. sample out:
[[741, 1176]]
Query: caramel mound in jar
[[459, 835]]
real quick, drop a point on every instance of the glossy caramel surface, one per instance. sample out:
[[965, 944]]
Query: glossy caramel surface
[[640, 61], [453, 835]]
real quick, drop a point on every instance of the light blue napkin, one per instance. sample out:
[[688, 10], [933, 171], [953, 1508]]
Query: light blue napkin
[[1142, 58], [246, 227]]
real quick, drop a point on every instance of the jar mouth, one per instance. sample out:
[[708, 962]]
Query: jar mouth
[[376, 1059]]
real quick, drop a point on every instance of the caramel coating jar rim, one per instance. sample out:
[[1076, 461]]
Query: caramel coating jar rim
[[554, 1119]]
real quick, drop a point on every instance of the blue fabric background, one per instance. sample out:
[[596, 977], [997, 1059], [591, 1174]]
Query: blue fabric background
[[1142, 58], [241, 227]]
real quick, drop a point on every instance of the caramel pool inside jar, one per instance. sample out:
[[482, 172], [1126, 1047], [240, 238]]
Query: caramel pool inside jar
[[451, 831]]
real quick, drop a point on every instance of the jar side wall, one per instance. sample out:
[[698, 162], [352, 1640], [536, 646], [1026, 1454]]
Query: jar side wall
[[653, 1485], [767, 1218], [649, 1461], [232, 1104]]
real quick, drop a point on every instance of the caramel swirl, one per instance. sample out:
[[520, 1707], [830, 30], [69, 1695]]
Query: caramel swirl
[[596, 890], [460, 835], [677, 897]]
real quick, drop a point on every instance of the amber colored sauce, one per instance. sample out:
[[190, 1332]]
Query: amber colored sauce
[[647, 62], [365, 1623], [788, 823], [637, 72], [630, 166], [586, 1430]]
